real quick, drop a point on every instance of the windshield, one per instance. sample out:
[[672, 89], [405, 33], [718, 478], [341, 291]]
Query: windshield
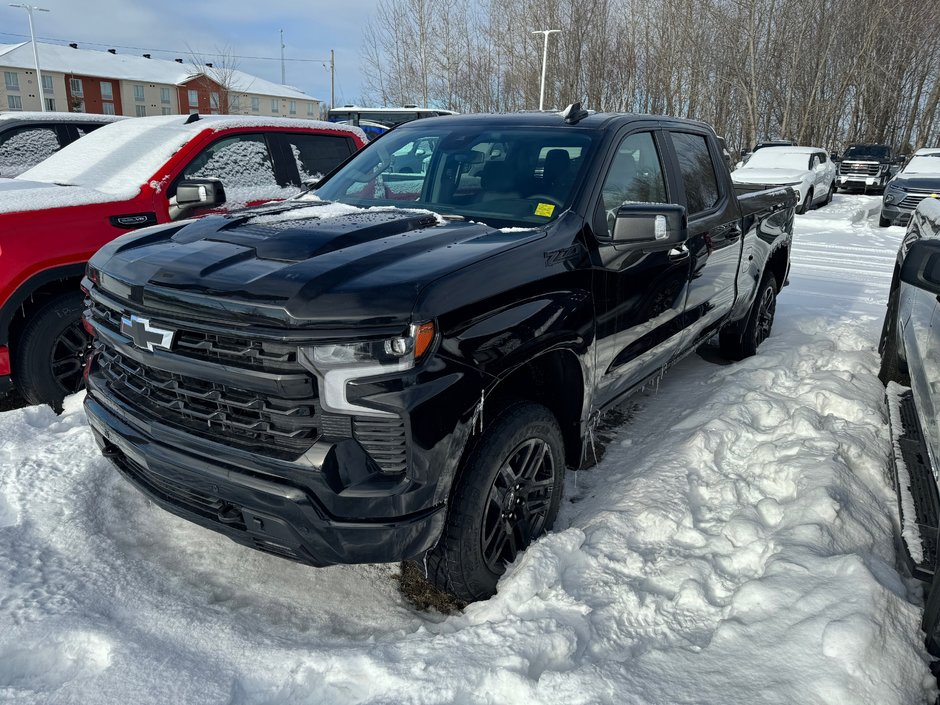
[[778, 158], [868, 151], [923, 164], [116, 159], [521, 176]]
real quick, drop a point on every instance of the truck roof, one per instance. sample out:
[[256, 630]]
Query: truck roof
[[554, 119]]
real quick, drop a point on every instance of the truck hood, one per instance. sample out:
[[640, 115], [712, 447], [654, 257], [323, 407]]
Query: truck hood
[[18, 195], [299, 265], [767, 176]]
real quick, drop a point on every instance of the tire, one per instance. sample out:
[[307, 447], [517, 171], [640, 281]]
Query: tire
[[832, 190], [51, 352], [892, 368], [883, 222], [806, 204], [736, 345], [487, 524]]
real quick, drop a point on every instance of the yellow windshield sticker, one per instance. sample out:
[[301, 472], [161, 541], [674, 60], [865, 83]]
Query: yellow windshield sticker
[[545, 209]]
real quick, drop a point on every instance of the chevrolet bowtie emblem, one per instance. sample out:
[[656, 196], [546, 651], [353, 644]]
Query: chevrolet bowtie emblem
[[144, 335]]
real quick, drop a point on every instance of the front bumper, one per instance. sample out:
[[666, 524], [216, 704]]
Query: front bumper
[[254, 502], [896, 214], [851, 181]]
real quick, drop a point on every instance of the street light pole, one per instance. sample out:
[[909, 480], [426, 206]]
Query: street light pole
[[546, 32], [32, 37]]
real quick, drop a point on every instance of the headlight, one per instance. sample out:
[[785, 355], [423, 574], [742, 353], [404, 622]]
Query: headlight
[[893, 194], [336, 364]]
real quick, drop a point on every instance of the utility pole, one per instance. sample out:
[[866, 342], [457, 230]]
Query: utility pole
[[32, 37], [283, 72], [546, 32], [332, 81]]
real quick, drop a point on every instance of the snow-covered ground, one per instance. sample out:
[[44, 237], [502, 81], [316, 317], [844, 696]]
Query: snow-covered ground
[[735, 545]]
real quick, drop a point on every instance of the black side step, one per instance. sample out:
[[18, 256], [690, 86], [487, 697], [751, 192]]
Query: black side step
[[915, 484]]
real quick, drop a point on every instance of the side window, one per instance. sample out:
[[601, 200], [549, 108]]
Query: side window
[[814, 162], [316, 155], [822, 157], [22, 149], [698, 172], [635, 176], [240, 161]]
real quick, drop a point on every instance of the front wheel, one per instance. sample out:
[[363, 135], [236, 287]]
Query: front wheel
[[892, 368], [832, 190], [807, 202], [507, 494], [736, 345], [883, 222], [49, 357]]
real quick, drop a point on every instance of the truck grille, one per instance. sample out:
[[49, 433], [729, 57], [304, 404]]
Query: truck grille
[[227, 414], [911, 200], [859, 169], [218, 348]]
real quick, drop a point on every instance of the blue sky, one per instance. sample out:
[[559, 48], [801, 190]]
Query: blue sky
[[250, 27]]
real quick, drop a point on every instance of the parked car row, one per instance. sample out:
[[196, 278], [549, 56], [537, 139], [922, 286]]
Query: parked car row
[[808, 170]]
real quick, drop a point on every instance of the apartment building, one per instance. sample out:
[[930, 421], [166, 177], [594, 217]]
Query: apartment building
[[91, 81]]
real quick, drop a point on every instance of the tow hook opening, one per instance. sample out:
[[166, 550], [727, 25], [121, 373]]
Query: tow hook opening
[[109, 450], [229, 514]]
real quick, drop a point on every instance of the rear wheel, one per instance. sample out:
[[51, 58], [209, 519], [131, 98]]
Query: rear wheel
[[737, 345], [507, 494], [51, 352]]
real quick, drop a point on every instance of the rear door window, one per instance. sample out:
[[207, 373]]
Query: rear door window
[[698, 171], [317, 155]]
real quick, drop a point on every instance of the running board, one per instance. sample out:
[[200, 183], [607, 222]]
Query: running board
[[914, 484]]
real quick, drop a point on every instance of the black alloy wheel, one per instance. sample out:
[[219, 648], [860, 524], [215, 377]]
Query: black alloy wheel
[[69, 352], [518, 503]]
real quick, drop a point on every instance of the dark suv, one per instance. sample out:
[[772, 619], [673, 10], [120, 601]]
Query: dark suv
[[28, 138]]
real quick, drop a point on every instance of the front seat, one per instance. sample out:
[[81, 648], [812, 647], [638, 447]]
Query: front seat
[[556, 173]]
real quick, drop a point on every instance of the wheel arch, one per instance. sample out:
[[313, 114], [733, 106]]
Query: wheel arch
[[33, 293]]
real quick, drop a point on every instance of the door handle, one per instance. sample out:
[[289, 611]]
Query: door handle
[[678, 253]]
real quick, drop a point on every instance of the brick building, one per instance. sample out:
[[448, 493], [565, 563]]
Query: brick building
[[83, 80]]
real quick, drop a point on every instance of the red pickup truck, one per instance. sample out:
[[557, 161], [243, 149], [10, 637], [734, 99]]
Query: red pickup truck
[[122, 177]]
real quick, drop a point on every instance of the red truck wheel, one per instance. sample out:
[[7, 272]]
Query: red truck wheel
[[50, 353]]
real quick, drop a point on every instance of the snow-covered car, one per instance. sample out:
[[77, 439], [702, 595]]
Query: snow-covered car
[[919, 179], [910, 339], [124, 176], [28, 138], [808, 170]]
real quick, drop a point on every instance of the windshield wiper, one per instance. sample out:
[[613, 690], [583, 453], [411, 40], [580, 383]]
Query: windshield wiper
[[451, 216]]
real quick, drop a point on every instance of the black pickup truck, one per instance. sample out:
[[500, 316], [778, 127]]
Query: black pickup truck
[[402, 364], [866, 166]]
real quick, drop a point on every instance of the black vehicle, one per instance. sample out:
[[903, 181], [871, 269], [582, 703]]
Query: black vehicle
[[28, 138], [918, 180], [338, 385], [866, 166], [910, 369]]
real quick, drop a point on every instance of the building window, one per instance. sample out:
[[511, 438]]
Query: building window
[[165, 111], [107, 108], [14, 102], [139, 94], [107, 91], [47, 84], [310, 109], [165, 96], [214, 102], [12, 80], [75, 84], [78, 105], [234, 103], [50, 104], [255, 103], [193, 99], [275, 105], [293, 107], [140, 110]]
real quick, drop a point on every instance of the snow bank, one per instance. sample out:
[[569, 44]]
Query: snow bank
[[735, 545]]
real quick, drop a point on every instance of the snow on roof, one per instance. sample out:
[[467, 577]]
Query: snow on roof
[[791, 149], [18, 116], [927, 151], [128, 67]]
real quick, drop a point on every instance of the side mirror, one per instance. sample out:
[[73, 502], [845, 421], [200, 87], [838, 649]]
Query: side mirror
[[200, 193], [650, 225], [921, 266]]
